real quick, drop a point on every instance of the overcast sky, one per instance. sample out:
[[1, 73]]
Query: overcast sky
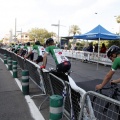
[[43, 13]]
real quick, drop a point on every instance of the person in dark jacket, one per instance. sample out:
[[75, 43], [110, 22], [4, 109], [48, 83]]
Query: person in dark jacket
[[90, 47], [96, 47], [103, 48]]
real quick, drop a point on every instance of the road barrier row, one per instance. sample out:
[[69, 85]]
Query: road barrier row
[[14, 69], [77, 103], [89, 56]]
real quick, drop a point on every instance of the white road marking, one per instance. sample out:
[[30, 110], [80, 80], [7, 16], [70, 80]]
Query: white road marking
[[33, 108]]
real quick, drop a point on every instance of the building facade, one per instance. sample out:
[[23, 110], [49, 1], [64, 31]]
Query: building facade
[[20, 38]]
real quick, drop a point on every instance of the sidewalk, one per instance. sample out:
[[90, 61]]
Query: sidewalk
[[13, 104]]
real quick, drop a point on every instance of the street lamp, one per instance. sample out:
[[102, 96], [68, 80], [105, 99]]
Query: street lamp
[[21, 34], [57, 25], [15, 30], [98, 44]]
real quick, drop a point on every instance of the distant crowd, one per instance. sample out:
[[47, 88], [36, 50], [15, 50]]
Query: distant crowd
[[28, 51], [89, 47], [38, 54], [94, 48]]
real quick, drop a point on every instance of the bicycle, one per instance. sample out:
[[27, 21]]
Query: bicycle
[[113, 91]]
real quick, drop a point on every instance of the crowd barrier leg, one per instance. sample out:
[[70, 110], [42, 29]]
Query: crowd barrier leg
[[25, 82], [43, 90], [14, 69], [43, 102], [56, 107], [41, 85]]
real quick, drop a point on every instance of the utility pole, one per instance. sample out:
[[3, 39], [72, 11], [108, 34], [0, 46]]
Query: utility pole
[[10, 38], [15, 29], [20, 34], [59, 32], [58, 25]]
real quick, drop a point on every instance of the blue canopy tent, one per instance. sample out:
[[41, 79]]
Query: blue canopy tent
[[98, 33]]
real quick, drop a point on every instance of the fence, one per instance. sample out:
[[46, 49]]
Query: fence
[[78, 104], [100, 106], [90, 56]]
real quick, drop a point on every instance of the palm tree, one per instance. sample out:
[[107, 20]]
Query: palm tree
[[118, 21], [74, 29]]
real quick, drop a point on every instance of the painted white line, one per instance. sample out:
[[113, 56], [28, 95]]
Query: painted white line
[[33, 108], [1, 59], [18, 83]]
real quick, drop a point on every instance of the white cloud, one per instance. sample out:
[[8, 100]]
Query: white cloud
[[65, 2], [87, 17], [43, 13]]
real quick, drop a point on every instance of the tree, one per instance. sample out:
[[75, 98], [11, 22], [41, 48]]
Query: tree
[[118, 21], [1, 41], [114, 42], [40, 34], [74, 29]]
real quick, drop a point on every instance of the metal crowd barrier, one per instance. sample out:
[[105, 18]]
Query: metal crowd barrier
[[101, 111], [20, 61], [73, 96], [76, 101], [90, 56], [78, 104], [59, 88], [26, 64], [14, 56]]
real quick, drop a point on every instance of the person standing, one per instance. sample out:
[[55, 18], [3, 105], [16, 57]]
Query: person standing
[[96, 47], [103, 48], [90, 47]]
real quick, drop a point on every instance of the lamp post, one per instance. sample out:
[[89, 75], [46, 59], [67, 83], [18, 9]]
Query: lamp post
[[98, 44], [57, 25], [21, 34], [10, 38], [15, 30]]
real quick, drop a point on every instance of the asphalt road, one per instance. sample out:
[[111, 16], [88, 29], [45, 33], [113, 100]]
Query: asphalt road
[[12, 102], [86, 75], [13, 105]]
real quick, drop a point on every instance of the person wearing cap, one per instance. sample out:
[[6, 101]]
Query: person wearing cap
[[62, 62], [113, 54], [26, 49], [20, 48], [37, 52], [12, 47], [17, 47]]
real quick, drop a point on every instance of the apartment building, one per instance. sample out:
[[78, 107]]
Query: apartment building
[[21, 37]]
